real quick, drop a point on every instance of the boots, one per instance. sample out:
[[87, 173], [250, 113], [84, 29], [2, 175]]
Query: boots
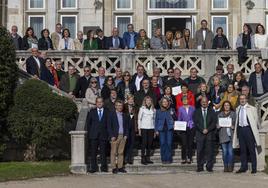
[[143, 160], [230, 168], [148, 160]]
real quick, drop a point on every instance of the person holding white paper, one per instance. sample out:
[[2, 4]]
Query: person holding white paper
[[225, 117], [164, 125], [185, 113]]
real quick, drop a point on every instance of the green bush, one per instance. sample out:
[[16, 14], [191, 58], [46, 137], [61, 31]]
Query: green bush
[[8, 79], [41, 120]]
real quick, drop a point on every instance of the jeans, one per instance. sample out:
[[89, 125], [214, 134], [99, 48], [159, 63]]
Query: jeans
[[227, 153], [165, 137]]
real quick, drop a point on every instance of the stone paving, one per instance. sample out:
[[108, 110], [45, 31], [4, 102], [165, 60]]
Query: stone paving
[[181, 179]]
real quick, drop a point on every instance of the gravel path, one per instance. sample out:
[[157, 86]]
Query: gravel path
[[185, 180]]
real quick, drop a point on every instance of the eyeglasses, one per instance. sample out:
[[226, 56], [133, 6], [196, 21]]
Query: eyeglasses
[[93, 82], [86, 70]]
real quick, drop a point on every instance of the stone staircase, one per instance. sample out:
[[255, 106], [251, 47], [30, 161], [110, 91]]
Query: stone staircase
[[158, 167]]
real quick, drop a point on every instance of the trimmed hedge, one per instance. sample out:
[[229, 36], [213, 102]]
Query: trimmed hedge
[[41, 120], [8, 79]]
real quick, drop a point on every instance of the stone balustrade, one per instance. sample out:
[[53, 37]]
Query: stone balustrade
[[205, 61]]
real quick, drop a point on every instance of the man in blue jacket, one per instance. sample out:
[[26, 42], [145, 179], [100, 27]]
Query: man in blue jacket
[[130, 37], [118, 131]]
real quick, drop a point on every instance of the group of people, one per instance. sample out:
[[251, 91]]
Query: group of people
[[123, 107], [204, 38]]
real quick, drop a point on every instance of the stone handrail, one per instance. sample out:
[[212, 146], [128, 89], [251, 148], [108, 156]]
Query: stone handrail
[[205, 61]]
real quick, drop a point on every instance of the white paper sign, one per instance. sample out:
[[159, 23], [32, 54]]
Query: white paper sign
[[176, 90], [180, 125], [225, 122]]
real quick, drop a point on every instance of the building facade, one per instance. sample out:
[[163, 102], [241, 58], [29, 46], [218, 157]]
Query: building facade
[[148, 14]]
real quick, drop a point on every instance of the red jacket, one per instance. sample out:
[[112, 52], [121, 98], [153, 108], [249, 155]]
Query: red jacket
[[190, 97]]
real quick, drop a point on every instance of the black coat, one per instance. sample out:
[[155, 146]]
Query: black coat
[[81, 87], [121, 90], [98, 129], [173, 82], [113, 125], [32, 66], [47, 76], [25, 44], [42, 44], [101, 43], [105, 92], [140, 95], [224, 45], [199, 124]]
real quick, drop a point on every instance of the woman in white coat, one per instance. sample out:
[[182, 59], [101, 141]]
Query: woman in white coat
[[261, 39], [246, 134], [66, 43], [146, 120]]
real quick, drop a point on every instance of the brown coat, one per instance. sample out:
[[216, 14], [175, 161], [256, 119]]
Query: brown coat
[[191, 43], [207, 43], [55, 40]]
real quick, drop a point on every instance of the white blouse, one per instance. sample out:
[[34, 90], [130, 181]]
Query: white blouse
[[261, 41]]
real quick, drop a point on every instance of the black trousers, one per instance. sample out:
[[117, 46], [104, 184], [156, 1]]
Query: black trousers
[[247, 144], [147, 136], [130, 144], [95, 144], [205, 152], [187, 141]]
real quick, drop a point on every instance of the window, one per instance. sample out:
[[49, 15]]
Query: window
[[69, 22], [68, 4], [36, 4], [123, 4], [220, 21], [122, 22], [220, 4], [171, 4], [37, 23]]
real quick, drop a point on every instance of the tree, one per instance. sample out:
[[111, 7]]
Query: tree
[[8, 79], [40, 120]]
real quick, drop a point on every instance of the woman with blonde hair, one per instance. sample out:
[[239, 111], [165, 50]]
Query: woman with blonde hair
[[146, 121], [92, 93], [169, 39], [164, 125], [177, 40]]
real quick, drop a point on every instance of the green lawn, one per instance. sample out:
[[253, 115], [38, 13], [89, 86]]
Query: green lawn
[[26, 170]]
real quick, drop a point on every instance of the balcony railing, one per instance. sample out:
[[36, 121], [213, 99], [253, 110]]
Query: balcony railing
[[205, 61]]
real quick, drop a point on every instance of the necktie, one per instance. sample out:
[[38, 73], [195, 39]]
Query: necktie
[[116, 43], [242, 116], [205, 118], [100, 115]]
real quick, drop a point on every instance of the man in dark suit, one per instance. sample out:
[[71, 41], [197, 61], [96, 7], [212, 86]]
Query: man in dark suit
[[230, 76], [138, 77], [97, 125], [101, 39], [83, 83], [35, 64], [176, 81], [205, 120], [115, 42], [145, 91], [109, 103], [118, 131]]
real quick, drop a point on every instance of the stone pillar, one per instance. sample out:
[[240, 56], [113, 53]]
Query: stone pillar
[[127, 62], [261, 164], [78, 160]]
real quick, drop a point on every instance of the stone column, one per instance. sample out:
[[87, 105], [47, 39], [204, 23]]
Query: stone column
[[78, 160], [261, 164]]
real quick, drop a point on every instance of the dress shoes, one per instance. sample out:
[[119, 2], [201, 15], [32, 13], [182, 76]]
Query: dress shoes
[[115, 171], [122, 170]]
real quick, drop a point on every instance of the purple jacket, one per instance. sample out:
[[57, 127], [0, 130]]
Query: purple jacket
[[188, 117]]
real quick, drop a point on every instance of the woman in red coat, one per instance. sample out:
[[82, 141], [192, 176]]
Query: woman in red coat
[[185, 92]]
